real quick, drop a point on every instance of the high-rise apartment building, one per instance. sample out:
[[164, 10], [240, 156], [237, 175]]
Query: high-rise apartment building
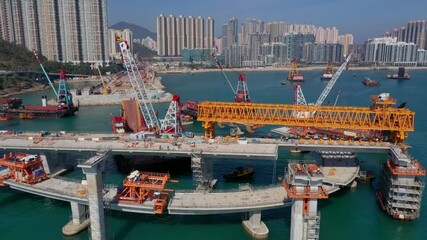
[[31, 25], [171, 36], [347, 41], [161, 35], [177, 33], [62, 30], [199, 33], [414, 32], [232, 31], [210, 33], [113, 47], [191, 28], [180, 34]]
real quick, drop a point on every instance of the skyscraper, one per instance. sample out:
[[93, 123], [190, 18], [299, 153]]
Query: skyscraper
[[171, 36], [180, 34], [416, 33], [232, 32], [31, 25], [68, 31], [191, 39], [161, 35], [177, 33], [209, 43], [199, 33]]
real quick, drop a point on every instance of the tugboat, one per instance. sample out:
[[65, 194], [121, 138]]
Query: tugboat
[[370, 83], [240, 173], [329, 72]]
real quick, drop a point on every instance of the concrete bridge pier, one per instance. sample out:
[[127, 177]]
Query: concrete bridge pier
[[202, 169], [303, 184], [254, 226], [93, 169], [79, 220]]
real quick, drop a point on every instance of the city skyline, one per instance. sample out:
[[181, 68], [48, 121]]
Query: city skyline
[[363, 24]]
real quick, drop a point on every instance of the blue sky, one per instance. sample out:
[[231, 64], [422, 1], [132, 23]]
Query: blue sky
[[362, 18]]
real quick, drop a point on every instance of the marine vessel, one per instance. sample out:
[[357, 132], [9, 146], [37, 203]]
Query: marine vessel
[[329, 72], [293, 72], [370, 83], [401, 74], [240, 173], [14, 108]]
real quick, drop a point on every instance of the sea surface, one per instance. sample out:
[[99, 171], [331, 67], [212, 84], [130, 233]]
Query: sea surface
[[351, 214]]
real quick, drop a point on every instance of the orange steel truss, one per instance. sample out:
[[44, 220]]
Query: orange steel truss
[[138, 190], [22, 171], [414, 169], [383, 117]]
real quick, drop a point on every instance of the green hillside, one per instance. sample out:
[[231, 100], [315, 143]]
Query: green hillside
[[16, 58]]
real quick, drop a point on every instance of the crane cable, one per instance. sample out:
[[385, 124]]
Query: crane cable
[[223, 73]]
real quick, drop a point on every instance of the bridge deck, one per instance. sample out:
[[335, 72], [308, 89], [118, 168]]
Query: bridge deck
[[163, 147], [183, 203]]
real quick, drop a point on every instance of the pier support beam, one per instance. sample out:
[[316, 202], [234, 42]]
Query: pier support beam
[[79, 220], [93, 170], [254, 226]]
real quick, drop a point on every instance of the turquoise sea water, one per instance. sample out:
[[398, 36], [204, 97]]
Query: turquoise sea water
[[348, 214]]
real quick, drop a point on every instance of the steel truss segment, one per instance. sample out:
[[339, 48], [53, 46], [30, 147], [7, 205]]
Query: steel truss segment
[[361, 118]]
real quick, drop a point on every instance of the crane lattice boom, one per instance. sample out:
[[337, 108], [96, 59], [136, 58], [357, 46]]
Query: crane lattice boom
[[138, 87], [332, 82]]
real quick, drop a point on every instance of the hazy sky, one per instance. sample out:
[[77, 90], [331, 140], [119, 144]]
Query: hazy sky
[[362, 18]]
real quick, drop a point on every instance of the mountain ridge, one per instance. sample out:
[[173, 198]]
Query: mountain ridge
[[138, 31]]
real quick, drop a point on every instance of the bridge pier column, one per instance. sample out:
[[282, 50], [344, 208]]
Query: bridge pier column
[[79, 220], [202, 169], [92, 168], [254, 226], [303, 184]]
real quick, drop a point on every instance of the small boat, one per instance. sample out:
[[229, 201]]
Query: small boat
[[366, 176], [240, 173], [282, 83], [370, 83], [297, 150]]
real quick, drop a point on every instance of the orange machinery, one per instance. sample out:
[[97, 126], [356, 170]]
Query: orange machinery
[[305, 192], [380, 116], [141, 186], [26, 168]]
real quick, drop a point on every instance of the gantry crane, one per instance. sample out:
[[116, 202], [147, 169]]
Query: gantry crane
[[139, 187], [380, 116], [26, 168], [138, 86]]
